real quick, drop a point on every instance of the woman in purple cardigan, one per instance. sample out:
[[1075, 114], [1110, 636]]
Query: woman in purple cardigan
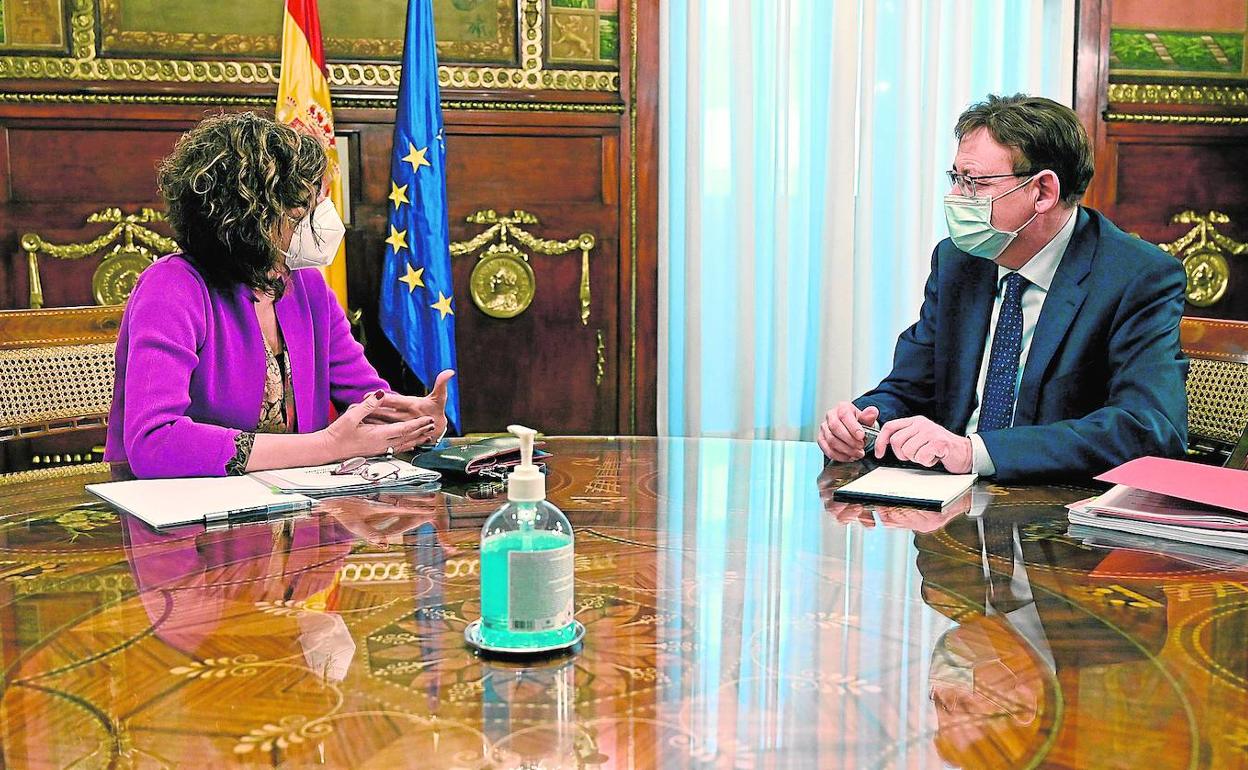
[[230, 353]]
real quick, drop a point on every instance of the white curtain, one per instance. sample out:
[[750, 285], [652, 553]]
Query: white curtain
[[801, 176]]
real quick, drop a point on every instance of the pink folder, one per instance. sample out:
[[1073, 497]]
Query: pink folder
[[1206, 484]]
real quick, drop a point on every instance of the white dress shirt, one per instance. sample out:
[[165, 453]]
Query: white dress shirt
[[1039, 272], [1025, 619]]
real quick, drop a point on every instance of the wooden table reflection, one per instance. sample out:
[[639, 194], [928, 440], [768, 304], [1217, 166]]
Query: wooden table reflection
[[736, 618]]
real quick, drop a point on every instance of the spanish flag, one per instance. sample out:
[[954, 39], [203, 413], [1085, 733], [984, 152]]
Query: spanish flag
[[303, 104]]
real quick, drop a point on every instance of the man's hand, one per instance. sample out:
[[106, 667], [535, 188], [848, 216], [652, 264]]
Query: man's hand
[[840, 434], [395, 407], [919, 440]]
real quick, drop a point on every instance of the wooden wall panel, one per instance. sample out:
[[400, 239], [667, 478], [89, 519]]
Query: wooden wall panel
[[59, 173], [1200, 173], [1156, 172], [560, 180], [1165, 142], [641, 87], [493, 166], [568, 177], [85, 164]]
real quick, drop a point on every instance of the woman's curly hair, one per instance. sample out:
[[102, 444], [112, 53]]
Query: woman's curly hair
[[228, 183]]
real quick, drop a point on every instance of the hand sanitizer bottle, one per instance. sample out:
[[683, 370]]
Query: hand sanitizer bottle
[[526, 565]]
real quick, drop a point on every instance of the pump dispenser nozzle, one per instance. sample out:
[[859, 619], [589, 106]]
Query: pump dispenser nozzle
[[526, 483]]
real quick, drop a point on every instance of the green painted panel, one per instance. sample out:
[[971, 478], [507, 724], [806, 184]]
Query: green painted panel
[[1179, 51], [609, 38]]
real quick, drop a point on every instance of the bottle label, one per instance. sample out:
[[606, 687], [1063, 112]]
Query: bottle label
[[540, 595]]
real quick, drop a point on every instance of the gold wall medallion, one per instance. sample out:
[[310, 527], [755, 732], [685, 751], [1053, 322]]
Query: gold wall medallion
[[1203, 252], [1208, 275], [117, 274], [503, 284]]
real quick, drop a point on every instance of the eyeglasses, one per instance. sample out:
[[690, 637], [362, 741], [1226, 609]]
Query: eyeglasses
[[968, 184], [368, 468]]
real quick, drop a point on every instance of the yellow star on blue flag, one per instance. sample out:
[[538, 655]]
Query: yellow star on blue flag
[[416, 157], [416, 291], [413, 278], [443, 305], [398, 195]]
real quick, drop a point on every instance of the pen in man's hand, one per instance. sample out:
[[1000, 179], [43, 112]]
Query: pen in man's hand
[[868, 445]]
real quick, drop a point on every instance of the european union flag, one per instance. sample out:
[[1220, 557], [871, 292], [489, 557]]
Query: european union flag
[[416, 298]]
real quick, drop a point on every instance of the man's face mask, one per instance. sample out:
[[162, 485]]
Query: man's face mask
[[970, 223], [316, 238]]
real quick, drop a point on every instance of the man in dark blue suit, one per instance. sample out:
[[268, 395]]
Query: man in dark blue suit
[[1047, 345]]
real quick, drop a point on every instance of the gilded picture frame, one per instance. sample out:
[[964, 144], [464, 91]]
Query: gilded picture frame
[[469, 31], [92, 55], [36, 26], [584, 33]]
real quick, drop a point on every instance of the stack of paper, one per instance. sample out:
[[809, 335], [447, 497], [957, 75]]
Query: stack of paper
[[906, 486], [170, 502], [321, 479], [1171, 499], [1204, 557]]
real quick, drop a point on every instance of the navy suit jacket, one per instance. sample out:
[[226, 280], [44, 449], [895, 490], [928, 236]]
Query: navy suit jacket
[[1104, 379]]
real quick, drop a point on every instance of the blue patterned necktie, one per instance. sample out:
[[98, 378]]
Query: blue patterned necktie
[[997, 409]]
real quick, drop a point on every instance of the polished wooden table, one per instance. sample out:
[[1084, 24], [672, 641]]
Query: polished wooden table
[[737, 618]]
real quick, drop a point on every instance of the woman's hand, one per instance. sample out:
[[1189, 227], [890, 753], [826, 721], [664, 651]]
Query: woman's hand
[[396, 408], [353, 434], [381, 523]]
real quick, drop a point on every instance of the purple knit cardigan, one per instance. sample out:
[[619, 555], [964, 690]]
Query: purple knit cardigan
[[190, 368]]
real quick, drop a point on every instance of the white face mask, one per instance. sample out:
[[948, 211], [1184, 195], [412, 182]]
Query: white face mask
[[970, 223], [316, 238]]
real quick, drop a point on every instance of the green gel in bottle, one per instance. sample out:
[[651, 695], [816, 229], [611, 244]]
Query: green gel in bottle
[[526, 564]]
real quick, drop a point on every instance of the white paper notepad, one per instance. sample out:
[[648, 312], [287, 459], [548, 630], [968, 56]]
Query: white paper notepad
[[907, 486], [170, 502], [320, 479]]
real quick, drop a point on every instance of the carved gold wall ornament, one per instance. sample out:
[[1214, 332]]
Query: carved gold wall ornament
[[600, 366], [1194, 120], [1203, 252], [503, 284], [344, 100], [115, 277], [1178, 93]]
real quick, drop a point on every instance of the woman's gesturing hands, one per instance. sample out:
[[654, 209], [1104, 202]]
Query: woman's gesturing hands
[[354, 434]]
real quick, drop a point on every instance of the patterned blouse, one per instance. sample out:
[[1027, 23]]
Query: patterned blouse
[[277, 409]]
